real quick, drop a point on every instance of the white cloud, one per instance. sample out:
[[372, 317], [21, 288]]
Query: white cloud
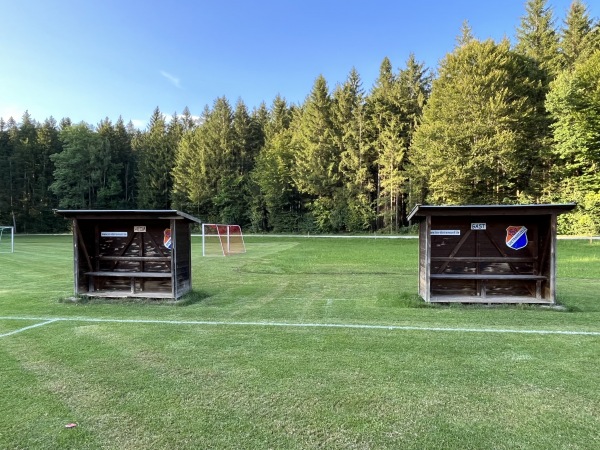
[[7, 112], [172, 78], [139, 124]]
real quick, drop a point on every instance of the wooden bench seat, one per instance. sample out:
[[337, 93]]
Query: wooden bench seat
[[482, 276], [130, 274], [134, 258], [487, 282], [140, 277]]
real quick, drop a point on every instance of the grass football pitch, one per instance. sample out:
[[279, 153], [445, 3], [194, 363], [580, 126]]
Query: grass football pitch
[[299, 343]]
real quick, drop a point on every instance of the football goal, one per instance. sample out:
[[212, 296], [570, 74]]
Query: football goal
[[7, 239], [222, 240]]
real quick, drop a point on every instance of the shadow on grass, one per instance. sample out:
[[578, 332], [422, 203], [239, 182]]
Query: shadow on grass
[[403, 300], [191, 298], [505, 306]]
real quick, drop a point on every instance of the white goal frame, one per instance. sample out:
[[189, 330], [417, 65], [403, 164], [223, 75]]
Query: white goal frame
[[3, 230], [230, 238]]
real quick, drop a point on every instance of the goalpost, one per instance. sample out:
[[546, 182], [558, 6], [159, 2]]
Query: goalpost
[[7, 239], [222, 240]]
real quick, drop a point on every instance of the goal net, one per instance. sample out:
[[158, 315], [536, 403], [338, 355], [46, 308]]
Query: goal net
[[222, 240], [7, 239]]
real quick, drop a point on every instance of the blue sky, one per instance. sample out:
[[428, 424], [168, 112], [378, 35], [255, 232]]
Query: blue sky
[[88, 60]]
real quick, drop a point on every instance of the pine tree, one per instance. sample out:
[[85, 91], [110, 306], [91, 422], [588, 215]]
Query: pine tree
[[204, 171], [187, 120], [537, 39], [414, 86], [9, 191], [155, 153], [384, 129], [259, 119], [243, 153], [109, 164], [574, 101], [317, 172], [65, 122], [283, 203], [233, 197], [6, 176], [349, 121], [27, 162], [577, 39], [466, 35], [124, 156], [538, 43], [188, 194], [395, 104], [317, 158], [472, 144], [256, 210], [80, 177], [49, 144]]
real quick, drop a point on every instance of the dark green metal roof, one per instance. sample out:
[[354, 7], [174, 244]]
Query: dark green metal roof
[[421, 211], [102, 214]]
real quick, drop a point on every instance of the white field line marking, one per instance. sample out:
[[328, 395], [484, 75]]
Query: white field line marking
[[47, 321], [299, 325]]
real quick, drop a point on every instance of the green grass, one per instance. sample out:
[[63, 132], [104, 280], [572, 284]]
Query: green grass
[[160, 385]]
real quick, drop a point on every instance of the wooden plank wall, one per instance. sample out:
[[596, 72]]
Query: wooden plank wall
[[477, 265]]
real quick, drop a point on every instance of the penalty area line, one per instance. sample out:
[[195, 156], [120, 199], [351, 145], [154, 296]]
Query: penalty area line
[[298, 325], [10, 333]]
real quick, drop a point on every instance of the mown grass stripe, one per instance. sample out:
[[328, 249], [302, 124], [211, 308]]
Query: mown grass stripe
[[301, 325]]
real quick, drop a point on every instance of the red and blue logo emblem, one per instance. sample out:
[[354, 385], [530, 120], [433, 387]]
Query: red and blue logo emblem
[[516, 237], [167, 241]]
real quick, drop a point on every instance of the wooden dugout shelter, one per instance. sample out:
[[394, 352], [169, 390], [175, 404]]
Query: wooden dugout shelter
[[488, 253], [131, 253]]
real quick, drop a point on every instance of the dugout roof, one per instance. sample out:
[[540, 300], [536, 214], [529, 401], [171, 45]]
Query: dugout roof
[[126, 214], [419, 212]]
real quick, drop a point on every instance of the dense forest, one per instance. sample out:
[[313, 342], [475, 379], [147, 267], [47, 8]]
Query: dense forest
[[494, 123]]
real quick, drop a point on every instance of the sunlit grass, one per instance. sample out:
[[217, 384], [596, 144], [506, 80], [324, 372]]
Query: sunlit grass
[[165, 386]]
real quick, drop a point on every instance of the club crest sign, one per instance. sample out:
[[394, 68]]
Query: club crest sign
[[516, 237], [167, 241]]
